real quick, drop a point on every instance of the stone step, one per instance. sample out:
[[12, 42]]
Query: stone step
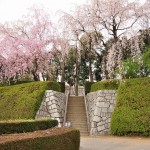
[[76, 103], [73, 108], [76, 114], [79, 122], [79, 126], [76, 117]]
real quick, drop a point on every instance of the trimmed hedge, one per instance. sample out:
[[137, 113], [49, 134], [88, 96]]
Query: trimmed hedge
[[105, 85], [62, 86], [87, 86], [23, 100], [20, 126], [69, 139], [52, 85], [132, 111]]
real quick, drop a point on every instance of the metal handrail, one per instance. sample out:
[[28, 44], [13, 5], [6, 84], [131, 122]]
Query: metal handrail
[[65, 115], [87, 116]]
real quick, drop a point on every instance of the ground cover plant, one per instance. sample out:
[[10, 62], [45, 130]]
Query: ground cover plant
[[53, 139], [23, 100], [132, 111]]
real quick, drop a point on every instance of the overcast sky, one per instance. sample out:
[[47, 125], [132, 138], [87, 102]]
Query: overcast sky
[[13, 9]]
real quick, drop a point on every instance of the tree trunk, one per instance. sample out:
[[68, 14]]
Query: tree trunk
[[63, 72], [76, 74], [35, 76], [90, 71], [90, 57], [115, 31]]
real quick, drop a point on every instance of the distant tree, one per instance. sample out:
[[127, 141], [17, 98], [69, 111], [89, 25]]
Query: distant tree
[[70, 67], [115, 16]]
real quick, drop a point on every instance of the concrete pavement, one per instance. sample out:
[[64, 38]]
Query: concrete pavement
[[114, 143]]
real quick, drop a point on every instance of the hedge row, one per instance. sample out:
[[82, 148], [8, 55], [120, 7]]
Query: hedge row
[[62, 86], [87, 86], [56, 139], [23, 100], [105, 85], [20, 126], [132, 111]]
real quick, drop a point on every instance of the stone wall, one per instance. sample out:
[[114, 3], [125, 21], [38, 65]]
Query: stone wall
[[100, 105], [52, 106]]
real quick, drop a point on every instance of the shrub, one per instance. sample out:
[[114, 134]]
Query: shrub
[[132, 111], [56, 139], [105, 85], [146, 59], [62, 86], [130, 68], [22, 101], [20, 126], [87, 86], [52, 85]]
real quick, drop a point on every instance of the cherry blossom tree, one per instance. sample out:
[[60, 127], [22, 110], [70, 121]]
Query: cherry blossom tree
[[115, 16], [26, 44]]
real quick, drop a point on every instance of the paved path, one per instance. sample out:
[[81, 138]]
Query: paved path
[[114, 143]]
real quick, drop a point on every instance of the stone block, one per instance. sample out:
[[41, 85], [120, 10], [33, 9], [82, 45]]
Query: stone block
[[112, 91], [53, 106], [93, 131], [97, 111], [113, 98], [104, 118], [104, 110], [108, 97], [55, 115], [100, 98], [104, 104], [112, 101], [53, 110], [96, 118], [49, 103], [107, 126], [101, 128], [108, 120], [111, 108], [100, 123], [47, 99]]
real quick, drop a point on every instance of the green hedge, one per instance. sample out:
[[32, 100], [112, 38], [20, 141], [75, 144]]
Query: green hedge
[[105, 85], [58, 140], [62, 86], [52, 85], [23, 100], [87, 86], [132, 111], [20, 126]]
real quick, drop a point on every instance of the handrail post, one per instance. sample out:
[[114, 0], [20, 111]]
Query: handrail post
[[87, 116], [65, 115]]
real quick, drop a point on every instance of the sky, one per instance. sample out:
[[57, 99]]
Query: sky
[[11, 10]]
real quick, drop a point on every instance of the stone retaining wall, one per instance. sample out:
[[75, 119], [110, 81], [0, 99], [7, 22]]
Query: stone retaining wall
[[52, 106], [100, 105]]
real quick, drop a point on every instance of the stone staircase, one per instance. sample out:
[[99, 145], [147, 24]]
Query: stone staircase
[[76, 114]]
